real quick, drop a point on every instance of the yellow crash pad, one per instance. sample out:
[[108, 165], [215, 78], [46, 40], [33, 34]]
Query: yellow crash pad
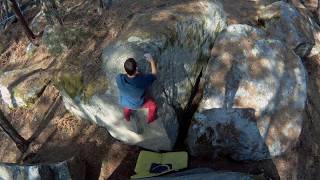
[[178, 160]]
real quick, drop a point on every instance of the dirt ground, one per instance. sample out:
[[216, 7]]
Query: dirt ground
[[57, 135]]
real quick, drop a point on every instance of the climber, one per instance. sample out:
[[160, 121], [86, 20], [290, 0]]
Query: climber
[[132, 87]]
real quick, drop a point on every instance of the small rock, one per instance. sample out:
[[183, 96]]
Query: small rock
[[38, 23], [31, 49]]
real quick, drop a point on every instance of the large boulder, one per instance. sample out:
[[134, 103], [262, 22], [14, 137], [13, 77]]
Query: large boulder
[[284, 22], [180, 38], [247, 70]]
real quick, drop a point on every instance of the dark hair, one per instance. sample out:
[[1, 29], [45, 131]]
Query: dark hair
[[130, 66]]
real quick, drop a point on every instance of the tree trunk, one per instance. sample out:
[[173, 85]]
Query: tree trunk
[[6, 126], [318, 12], [3, 10], [6, 7], [24, 23]]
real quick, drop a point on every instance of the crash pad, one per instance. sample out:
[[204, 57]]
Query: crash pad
[[148, 162]]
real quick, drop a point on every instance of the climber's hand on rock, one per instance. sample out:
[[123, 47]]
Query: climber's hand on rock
[[148, 57]]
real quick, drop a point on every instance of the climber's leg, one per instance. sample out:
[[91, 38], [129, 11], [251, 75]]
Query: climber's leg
[[127, 113], [151, 105]]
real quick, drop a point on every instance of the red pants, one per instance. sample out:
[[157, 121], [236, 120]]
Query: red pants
[[150, 104]]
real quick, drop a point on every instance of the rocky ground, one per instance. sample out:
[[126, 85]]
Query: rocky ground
[[57, 135]]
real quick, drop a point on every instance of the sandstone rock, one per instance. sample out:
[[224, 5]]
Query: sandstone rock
[[285, 23], [248, 70], [21, 87], [57, 171], [180, 38]]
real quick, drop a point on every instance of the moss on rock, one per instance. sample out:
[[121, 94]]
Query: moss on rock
[[71, 83], [97, 86]]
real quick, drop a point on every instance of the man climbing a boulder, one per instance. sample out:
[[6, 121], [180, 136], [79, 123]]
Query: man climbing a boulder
[[132, 87]]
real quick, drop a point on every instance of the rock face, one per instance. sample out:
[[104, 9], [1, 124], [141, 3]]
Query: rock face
[[285, 23], [247, 70], [57, 171], [228, 132], [180, 38]]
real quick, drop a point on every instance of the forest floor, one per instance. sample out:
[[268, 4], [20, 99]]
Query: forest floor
[[57, 135]]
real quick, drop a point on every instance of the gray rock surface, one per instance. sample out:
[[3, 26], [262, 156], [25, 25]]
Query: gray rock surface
[[284, 22], [58, 171], [58, 39], [248, 70], [228, 132], [21, 87], [53, 39], [180, 38]]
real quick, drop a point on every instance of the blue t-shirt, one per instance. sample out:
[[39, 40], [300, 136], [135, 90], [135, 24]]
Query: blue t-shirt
[[132, 90]]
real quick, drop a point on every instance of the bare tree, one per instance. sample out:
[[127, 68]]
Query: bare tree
[[6, 126], [17, 11], [318, 12]]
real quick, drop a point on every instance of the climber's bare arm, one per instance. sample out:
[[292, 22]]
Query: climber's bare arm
[[152, 63]]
